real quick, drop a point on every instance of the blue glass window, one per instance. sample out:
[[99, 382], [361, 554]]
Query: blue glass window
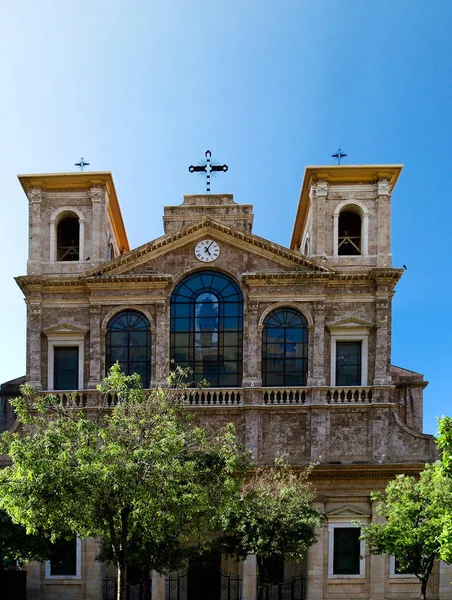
[[129, 343], [285, 348], [207, 328]]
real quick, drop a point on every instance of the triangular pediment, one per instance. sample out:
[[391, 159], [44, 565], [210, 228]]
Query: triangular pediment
[[350, 322], [64, 329], [247, 242], [347, 513]]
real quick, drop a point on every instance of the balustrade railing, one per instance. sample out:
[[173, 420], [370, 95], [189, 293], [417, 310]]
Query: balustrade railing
[[274, 396], [349, 395], [286, 395]]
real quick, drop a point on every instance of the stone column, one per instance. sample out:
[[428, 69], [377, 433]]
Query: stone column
[[382, 341], [318, 348], [35, 197], [98, 243], [383, 202], [249, 578], [319, 193], [94, 346], [161, 342], [158, 586], [34, 355], [252, 347]]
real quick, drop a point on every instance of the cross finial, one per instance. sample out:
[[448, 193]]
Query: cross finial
[[339, 154], [82, 164], [206, 167]]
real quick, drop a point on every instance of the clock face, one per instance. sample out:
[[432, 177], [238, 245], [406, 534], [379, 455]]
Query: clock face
[[207, 250]]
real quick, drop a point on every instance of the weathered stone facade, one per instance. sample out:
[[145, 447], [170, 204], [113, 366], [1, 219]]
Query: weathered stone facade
[[359, 436]]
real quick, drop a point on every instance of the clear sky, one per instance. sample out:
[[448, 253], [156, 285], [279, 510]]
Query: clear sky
[[143, 88]]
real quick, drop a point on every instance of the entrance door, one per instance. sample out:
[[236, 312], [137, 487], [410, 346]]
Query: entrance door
[[204, 577]]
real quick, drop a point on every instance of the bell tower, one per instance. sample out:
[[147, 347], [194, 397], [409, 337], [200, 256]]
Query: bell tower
[[75, 222], [344, 215]]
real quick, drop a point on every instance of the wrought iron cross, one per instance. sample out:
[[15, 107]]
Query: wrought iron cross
[[339, 154], [81, 164], [206, 168]]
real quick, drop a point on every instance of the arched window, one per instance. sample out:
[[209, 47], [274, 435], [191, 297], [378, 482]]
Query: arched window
[[206, 328], [349, 235], [129, 343], [285, 348], [68, 238]]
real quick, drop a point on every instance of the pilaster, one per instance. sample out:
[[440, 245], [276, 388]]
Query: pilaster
[[161, 341], [383, 201], [249, 578], [382, 341], [252, 347], [94, 346], [97, 195], [34, 355], [158, 586], [318, 347], [35, 197], [319, 193], [377, 565], [315, 563]]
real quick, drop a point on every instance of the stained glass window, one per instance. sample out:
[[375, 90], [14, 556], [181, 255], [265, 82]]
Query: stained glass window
[[285, 348], [207, 328], [129, 343]]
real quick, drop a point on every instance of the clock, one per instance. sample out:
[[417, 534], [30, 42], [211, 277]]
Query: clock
[[207, 250]]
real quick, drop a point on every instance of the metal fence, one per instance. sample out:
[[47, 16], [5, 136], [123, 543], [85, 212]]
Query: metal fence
[[291, 589], [134, 591]]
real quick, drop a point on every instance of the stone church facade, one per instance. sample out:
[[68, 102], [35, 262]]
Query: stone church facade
[[294, 341]]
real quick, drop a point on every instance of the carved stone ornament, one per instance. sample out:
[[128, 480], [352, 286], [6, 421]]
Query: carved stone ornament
[[322, 189], [94, 309], [35, 308], [383, 187], [382, 304], [160, 308], [35, 195], [253, 306], [319, 306], [97, 195]]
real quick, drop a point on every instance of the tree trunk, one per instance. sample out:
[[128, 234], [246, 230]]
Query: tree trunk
[[424, 589], [122, 581]]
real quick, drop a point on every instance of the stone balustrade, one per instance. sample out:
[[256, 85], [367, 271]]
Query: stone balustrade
[[252, 396]]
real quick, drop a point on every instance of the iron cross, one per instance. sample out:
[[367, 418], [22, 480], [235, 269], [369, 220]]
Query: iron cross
[[339, 154], [81, 164], [207, 167]]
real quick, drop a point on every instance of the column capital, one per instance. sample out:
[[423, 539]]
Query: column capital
[[35, 195], [383, 187], [34, 308], [97, 194], [320, 188]]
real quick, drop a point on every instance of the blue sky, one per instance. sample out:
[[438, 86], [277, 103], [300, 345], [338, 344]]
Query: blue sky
[[142, 89]]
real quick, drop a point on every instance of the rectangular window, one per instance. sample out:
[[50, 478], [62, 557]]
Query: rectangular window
[[398, 570], [65, 371], [63, 558], [346, 551], [348, 363]]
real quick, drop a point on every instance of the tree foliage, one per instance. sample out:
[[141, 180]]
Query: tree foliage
[[140, 471], [414, 510], [272, 517], [445, 445], [16, 546]]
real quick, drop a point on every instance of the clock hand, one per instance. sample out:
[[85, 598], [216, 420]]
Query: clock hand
[[209, 246], [207, 250]]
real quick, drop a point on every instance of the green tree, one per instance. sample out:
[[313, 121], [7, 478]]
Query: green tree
[[18, 546], [414, 510], [444, 442], [141, 467], [272, 517]]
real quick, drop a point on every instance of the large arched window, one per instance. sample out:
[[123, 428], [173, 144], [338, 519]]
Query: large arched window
[[285, 348], [349, 235], [129, 343], [206, 328], [68, 238]]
